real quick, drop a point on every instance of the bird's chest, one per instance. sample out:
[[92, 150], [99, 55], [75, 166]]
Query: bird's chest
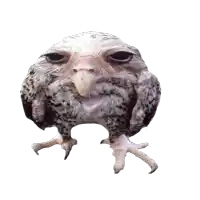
[[99, 108], [92, 110], [103, 104]]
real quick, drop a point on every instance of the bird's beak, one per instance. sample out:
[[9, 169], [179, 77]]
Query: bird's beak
[[83, 81]]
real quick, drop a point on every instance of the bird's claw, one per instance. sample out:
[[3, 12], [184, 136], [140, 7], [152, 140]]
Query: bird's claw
[[153, 169], [105, 141], [36, 147], [67, 146]]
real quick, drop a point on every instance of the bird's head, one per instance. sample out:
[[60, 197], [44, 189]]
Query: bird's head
[[83, 58]]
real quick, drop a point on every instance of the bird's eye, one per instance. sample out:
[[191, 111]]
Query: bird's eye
[[121, 57], [55, 58]]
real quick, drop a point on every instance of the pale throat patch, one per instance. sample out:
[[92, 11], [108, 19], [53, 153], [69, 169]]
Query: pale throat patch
[[92, 104]]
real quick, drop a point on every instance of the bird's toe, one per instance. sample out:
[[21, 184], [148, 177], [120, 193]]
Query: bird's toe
[[144, 157], [119, 155], [118, 168], [142, 145], [67, 146]]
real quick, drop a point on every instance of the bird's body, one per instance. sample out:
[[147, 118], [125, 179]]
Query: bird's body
[[106, 103], [91, 78]]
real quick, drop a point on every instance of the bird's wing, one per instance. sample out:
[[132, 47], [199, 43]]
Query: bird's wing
[[35, 81], [33, 98], [148, 97]]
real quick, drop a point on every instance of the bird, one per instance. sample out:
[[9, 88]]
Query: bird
[[92, 77]]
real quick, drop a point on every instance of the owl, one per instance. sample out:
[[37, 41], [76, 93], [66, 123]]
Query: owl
[[92, 77]]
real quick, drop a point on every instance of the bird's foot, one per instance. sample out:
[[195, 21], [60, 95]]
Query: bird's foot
[[66, 144], [121, 145]]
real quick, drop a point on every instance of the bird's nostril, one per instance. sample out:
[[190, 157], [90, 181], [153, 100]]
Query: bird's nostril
[[75, 70], [91, 70]]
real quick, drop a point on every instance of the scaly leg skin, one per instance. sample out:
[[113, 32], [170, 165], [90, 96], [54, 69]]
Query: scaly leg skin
[[121, 145], [66, 144]]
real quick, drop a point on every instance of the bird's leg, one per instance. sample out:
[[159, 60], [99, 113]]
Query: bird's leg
[[121, 145], [66, 144]]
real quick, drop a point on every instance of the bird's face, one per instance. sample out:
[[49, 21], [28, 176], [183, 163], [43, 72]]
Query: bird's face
[[84, 58]]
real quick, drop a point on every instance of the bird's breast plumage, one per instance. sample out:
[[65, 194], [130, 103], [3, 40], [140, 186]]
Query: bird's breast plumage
[[110, 97]]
